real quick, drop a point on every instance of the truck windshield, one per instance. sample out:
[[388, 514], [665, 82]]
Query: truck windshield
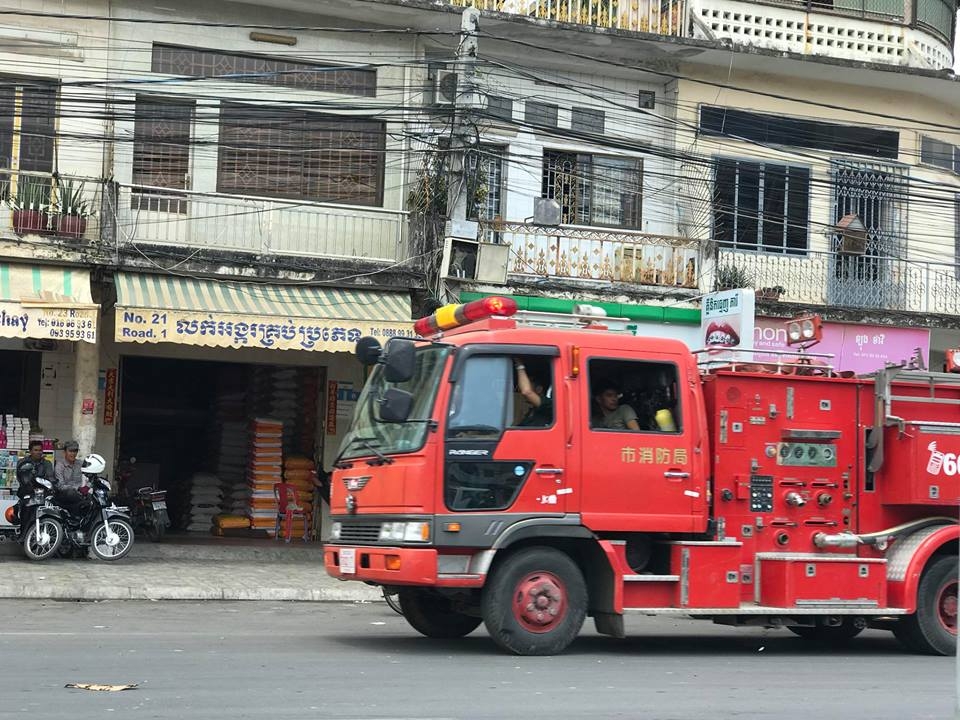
[[368, 435]]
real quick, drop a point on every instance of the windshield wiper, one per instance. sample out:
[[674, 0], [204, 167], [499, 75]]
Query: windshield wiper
[[365, 441]]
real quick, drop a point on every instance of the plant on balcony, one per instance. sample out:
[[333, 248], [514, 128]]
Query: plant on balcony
[[770, 293], [30, 206], [71, 210], [731, 277]]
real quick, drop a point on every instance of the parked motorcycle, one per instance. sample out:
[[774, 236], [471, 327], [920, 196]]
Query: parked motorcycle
[[37, 520], [148, 506], [98, 525]]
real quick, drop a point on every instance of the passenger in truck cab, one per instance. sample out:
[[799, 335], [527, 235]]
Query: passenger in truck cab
[[534, 391], [609, 414]]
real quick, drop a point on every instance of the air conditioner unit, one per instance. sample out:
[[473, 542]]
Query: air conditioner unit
[[444, 87], [475, 260]]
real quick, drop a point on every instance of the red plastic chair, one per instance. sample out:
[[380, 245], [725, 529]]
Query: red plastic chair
[[288, 508]]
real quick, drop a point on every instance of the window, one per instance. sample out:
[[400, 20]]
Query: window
[[797, 132], [485, 184], [540, 114], [27, 126], [594, 189], [939, 154], [161, 152], [263, 70], [761, 206], [647, 100], [493, 394], [499, 107], [937, 15], [631, 396], [587, 120], [306, 156]]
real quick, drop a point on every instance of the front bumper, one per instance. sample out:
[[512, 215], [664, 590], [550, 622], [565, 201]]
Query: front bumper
[[414, 566]]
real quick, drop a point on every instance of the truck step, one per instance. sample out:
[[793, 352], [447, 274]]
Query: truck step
[[651, 578]]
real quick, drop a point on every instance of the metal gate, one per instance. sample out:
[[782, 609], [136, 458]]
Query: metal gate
[[878, 195]]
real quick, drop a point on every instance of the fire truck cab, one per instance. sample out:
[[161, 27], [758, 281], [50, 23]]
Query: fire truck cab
[[527, 471]]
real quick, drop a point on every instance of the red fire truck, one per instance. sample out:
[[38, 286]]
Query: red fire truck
[[526, 471]]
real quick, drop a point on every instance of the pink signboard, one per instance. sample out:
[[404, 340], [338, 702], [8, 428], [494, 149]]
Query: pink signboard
[[860, 348]]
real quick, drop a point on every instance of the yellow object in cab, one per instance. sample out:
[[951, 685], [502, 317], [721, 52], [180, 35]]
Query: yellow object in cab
[[664, 420]]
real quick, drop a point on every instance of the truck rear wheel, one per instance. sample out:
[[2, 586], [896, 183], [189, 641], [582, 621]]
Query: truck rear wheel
[[433, 615], [535, 602], [932, 629]]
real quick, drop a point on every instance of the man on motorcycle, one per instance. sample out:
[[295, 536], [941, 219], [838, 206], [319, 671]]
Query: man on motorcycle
[[69, 480], [41, 466]]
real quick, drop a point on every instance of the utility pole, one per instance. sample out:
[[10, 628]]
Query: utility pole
[[462, 136]]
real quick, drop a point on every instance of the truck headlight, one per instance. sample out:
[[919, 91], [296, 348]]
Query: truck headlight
[[335, 529], [405, 531]]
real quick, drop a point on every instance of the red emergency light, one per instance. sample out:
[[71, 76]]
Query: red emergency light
[[952, 364], [452, 316]]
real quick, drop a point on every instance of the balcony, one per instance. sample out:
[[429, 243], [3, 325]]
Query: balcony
[[262, 226], [854, 282], [583, 254], [36, 203], [662, 17]]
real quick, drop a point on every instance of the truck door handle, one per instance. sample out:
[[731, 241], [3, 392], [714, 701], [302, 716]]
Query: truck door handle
[[676, 475], [549, 471]]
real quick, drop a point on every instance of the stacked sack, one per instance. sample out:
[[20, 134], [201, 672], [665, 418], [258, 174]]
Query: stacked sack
[[264, 470], [205, 498], [276, 394], [299, 472]]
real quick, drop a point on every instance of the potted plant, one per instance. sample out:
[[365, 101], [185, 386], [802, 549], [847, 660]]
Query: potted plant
[[71, 210], [30, 206], [731, 277], [770, 293]]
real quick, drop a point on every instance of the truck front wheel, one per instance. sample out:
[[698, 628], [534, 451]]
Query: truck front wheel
[[535, 602], [433, 615], [932, 629]]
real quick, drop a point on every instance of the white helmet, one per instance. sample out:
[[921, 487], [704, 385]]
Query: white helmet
[[93, 465]]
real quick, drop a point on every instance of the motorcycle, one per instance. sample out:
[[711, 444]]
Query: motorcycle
[[37, 520], [148, 506], [97, 525]]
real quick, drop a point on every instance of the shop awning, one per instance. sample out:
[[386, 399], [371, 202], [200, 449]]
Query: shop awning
[[225, 313], [50, 303]]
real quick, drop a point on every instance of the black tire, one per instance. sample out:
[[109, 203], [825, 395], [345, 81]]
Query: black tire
[[432, 614], [535, 602], [831, 635], [156, 529], [392, 599], [928, 631], [38, 549], [99, 548]]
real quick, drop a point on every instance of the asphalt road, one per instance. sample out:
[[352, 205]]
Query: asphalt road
[[270, 660]]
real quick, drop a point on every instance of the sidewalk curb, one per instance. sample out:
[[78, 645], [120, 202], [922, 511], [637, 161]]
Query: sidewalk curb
[[189, 592]]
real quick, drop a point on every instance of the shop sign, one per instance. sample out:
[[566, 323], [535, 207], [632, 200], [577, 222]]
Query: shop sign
[[331, 407], [110, 397], [88, 406], [346, 399], [257, 331], [727, 322], [48, 322], [857, 348]]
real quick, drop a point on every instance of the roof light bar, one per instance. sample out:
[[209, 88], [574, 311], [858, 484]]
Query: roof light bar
[[452, 316]]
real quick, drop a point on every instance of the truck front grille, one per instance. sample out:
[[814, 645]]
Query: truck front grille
[[359, 532]]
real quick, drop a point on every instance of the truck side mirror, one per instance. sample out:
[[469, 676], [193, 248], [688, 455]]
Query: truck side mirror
[[367, 351], [395, 405], [400, 360]]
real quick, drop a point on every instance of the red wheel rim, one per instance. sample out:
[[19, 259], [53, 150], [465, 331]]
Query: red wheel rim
[[540, 602], [947, 606]]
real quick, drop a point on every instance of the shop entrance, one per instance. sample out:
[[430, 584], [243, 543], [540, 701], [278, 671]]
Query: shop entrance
[[217, 436]]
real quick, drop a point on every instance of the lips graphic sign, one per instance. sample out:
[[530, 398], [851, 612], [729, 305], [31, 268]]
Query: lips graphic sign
[[727, 320]]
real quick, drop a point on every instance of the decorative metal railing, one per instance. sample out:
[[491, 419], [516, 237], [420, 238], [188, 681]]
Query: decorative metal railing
[[581, 253], [852, 281], [663, 17]]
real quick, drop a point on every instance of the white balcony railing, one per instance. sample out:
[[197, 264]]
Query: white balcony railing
[[864, 282], [662, 17], [259, 225], [582, 253]]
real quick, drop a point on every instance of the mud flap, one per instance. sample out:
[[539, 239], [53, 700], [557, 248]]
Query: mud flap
[[609, 624]]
